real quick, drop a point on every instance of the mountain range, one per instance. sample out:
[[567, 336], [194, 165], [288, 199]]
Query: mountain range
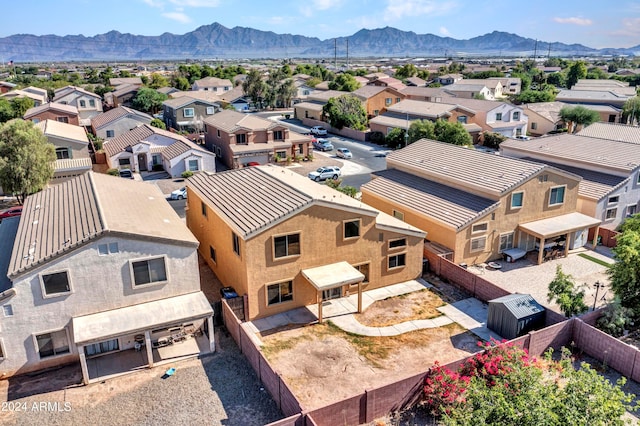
[[217, 41]]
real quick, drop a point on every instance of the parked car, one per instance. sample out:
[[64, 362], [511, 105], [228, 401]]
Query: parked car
[[228, 293], [522, 137], [318, 130], [343, 153], [126, 173], [322, 145], [179, 194], [252, 164], [11, 212], [325, 173]]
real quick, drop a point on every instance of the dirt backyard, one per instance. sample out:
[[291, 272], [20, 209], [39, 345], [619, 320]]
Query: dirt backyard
[[323, 364]]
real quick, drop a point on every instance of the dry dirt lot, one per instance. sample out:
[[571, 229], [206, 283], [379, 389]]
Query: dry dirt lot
[[323, 364]]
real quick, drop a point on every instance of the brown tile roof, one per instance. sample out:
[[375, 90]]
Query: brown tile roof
[[233, 94], [204, 95], [230, 121], [474, 104], [116, 114], [612, 131], [133, 137], [213, 82], [64, 91], [451, 206], [117, 81], [63, 130], [124, 89], [186, 100], [424, 91], [66, 109], [422, 108], [548, 110], [71, 214], [325, 95]]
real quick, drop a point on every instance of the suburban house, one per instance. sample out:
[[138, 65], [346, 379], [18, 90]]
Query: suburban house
[[72, 149], [119, 81], [477, 205], [37, 98], [212, 84], [470, 91], [88, 104], [121, 95], [448, 79], [117, 121], [402, 114], [239, 139], [377, 98], [497, 117], [234, 97], [607, 97], [167, 90], [5, 86], [415, 81], [610, 170], [187, 113], [149, 148], [53, 111], [611, 131], [427, 94], [510, 85], [102, 272], [544, 117], [387, 82], [305, 243]]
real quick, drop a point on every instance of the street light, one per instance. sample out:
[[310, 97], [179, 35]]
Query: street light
[[598, 286]]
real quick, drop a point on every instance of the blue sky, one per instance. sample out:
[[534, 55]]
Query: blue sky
[[592, 23]]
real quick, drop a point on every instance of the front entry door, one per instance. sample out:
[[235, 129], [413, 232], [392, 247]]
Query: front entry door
[[142, 162], [333, 293]]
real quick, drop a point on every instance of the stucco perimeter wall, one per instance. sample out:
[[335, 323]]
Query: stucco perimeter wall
[[345, 131]]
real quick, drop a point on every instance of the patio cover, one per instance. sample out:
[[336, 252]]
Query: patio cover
[[331, 276], [559, 225], [131, 319]]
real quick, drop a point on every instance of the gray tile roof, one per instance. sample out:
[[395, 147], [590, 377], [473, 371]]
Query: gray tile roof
[[589, 95], [448, 205], [462, 167], [474, 104], [424, 91], [612, 131], [116, 114], [73, 213], [186, 100], [520, 305]]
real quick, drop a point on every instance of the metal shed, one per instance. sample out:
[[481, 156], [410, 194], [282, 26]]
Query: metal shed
[[514, 315]]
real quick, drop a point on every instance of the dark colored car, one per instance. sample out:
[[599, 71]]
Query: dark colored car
[[126, 173], [228, 293], [11, 212]]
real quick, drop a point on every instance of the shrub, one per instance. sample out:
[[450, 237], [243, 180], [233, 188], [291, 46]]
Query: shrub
[[377, 138], [113, 172], [187, 174], [157, 168], [615, 319], [493, 140], [310, 157]]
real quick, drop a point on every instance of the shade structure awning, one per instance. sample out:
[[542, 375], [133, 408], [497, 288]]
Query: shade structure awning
[[559, 225], [333, 275], [144, 316]]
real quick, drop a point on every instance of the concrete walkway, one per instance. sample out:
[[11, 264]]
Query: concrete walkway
[[472, 315]]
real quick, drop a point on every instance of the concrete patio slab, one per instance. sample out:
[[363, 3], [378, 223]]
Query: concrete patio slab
[[470, 314]]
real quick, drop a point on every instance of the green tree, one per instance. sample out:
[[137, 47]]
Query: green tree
[[345, 111], [576, 72], [180, 83], [631, 111], [596, 74], [492, 139], [453, 133], [395, 138], [6, 110], [406, 71], [158, 81], [26, 158], [285, 92], [558, 79], [578, 117], [421, 129], [624, 274], [20, 106], [254, 87], [562, 290], [344, 82], [615, 319], [156, 122], [148, 100], [530, 96], [337, 185]]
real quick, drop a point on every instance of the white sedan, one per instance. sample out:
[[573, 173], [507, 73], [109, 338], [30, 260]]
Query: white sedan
[[343, 153], [179, 194]]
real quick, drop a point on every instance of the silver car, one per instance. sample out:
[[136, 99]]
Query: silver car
[[325, 173], [343, 153]]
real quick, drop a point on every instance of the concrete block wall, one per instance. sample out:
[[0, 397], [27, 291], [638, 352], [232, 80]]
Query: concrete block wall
[[555, 336]]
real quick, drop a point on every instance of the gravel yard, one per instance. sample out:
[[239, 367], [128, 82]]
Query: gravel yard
[[220, 389]]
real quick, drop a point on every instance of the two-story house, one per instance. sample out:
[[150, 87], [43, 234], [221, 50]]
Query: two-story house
[[610, 170], [187, 113], [489, 88], [212, 84], [448, 79], [497, 117], [122, 95], [32, 93], [479, 205], [88, 104], [72, 149], [285, 241], [102, 272], [544, 117], [239, 139], [378, 98], [53, 111], [117, 121]]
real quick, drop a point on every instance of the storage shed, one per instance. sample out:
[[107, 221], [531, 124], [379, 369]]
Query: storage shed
[[514, 315]]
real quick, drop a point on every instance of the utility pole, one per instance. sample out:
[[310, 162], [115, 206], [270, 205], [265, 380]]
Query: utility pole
[[347, 54], [549, 52], [335, 54], [535, 51]]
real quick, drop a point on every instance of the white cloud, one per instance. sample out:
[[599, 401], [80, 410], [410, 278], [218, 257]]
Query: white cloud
[[196, 3], [154, 3], [326, 4], [398, 9], [177, 16], [630, 28], [574, 20], [444, 31]]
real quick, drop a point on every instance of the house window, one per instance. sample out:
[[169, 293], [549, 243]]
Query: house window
[[188, 112], [556, 195], [212, 253], [155, 159], [462, 119], [105, 249], [53, 343], [478, 244], [516, 200], [210, 110], [236, 243], [534, 126], [631, 210], [218, 132], [286, 245], [2, 355], [516, 116], [398, 100], [387, 101], [376, 112], [149, 271], [55, 284], [62, 119], [398, 215], [397, 261], [281, 154], [543, 178], [301, 149], [193, 165], [364, 270], [498, 116], [614, 199], [611, 214], [62, 153], [279, 293], [241, 139], [203, 208], [102, 347], [278, 135], [397, 243], [92, 103], [351, 229], [506, 241], [110, 133], [479, 228], [83, 103], [7, 310]]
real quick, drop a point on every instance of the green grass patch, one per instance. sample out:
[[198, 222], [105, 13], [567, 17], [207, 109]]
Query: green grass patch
[[595, 260]]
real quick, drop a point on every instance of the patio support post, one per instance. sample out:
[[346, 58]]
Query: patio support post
[[541, 251], [212, 339], [595, 237], [319, 299], [147, 341], [359, 297], [83, 365], [566, 244]]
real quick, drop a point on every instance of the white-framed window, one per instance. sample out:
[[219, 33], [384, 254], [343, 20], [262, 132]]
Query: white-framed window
[[498, 116], [611, 214], [236, 243], [278, 135], [52, 343], [241, 139], [506, 241], [188, 112], [286, 245], [92, 103], [387, 101], [398, 215], [516, 116], [55, 284], [478, 244], [396, 261], [397, 243], [351, 229], [148, 271], [462, 119], [632, 209], [155, 159], [479, 228], [517, 199], [614, 199], [210, 110], [556, 195], [281, 154], [62, 119], [83, 103], [193, 165], [110, 133], [279, 292], [106, 249], [7, 310]]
